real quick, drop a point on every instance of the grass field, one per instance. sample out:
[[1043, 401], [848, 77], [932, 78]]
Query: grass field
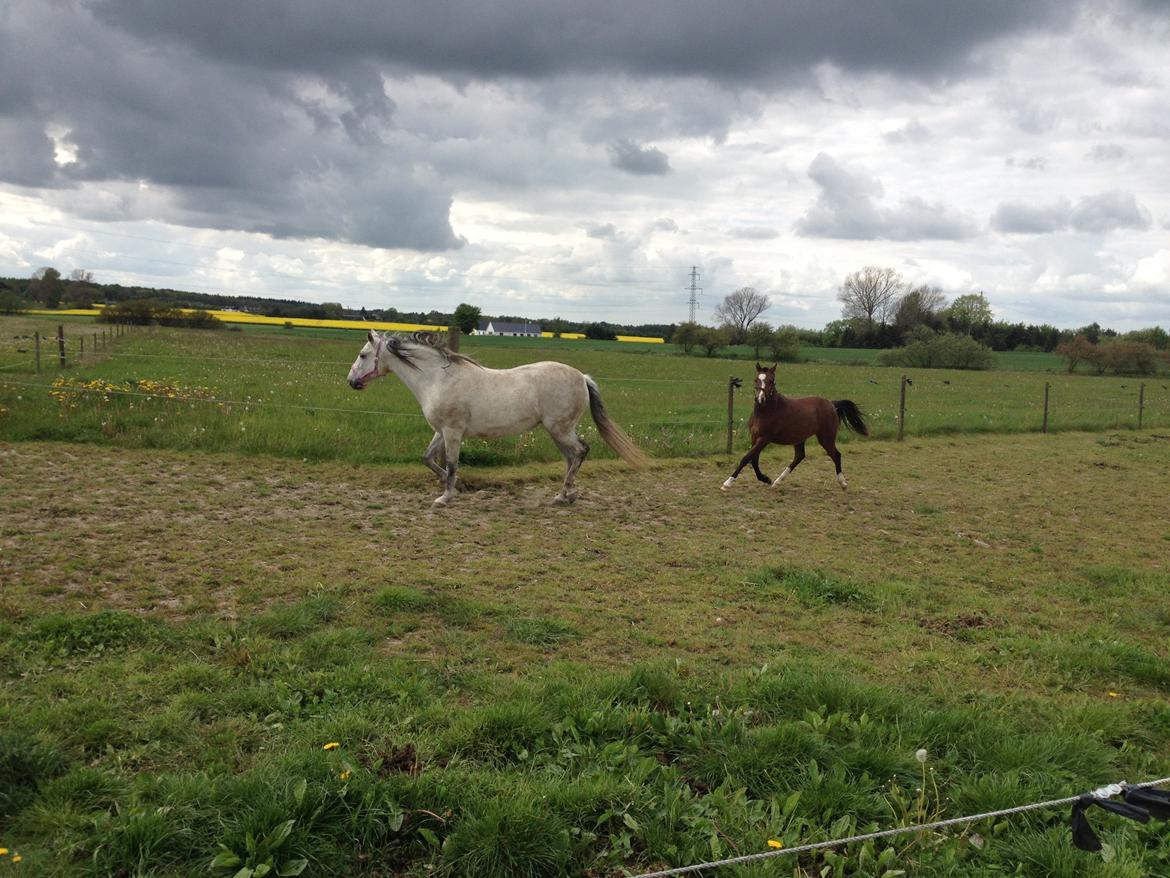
[[659, 675], [213, 566], [283, 393]]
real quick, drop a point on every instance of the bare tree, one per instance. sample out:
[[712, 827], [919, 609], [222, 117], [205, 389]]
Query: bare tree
[[739, 309], [869, 294]]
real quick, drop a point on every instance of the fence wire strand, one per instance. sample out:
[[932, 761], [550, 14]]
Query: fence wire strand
[[1101, 793]]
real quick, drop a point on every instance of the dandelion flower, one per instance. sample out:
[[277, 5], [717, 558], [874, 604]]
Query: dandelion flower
[[345, 774], [332, 745], [773, 843], [1112, 694], [3, 852], [16, 858]]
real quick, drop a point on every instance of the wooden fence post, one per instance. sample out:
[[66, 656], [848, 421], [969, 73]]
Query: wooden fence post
[[37, 339], [1044, 426], [732, 383], [902, 411], [453, 338], [61, 345], [81, 350], [1141, 402]]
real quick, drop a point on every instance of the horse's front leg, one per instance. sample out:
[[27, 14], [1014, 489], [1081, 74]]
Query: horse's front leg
[[747, 458], [451, 442], [433, 457]]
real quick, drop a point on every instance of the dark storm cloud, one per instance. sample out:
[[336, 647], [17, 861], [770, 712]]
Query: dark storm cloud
[[845, 208], [217, 146], [1106, 212], [628, 156], [537, 38]]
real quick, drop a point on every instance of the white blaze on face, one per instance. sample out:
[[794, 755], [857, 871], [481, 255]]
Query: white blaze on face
[[760, 386]]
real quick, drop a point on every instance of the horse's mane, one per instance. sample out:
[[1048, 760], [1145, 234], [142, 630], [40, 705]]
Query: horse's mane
[[431, 340]]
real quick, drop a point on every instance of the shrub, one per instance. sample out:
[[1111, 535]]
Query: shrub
[[946, 351], [784, 344], [602, 331]]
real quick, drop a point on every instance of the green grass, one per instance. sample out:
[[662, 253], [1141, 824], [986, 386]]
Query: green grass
[[283, 393], [660, 675], [198, 598]]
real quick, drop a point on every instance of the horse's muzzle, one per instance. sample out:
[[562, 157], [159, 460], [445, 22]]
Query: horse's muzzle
[[357, 384]]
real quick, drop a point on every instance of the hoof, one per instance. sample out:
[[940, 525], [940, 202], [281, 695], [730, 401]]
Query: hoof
[[440, 502], [565, 499], [726, 486], [841, 481]]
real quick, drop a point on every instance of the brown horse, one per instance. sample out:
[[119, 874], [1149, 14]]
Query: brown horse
[[790, 421]]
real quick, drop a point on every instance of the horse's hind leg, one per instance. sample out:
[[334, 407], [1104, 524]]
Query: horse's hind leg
[[796, 459], [574, 448], [830, 445]]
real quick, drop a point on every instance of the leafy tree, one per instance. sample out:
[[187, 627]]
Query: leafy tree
[[602, 331], [466, 317], [687, 336], [784, 344], [1076, 350], [759, 336], [10, 302], [556, 326], [332, 310], [714, 339], [969, 313], [920, 306], [740, 309], [46, 286], [1129, 357], [869, 294], [1155, 336]]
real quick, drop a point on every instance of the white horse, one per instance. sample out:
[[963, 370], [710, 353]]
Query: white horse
[[460, 398]]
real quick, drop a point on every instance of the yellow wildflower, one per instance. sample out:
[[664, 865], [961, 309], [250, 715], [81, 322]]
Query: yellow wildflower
[[3, 852], [16, 858], [1112, 694], [773, 843], [345, 774], [332, 745]]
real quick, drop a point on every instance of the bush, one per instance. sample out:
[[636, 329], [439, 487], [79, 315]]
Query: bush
[[947, 351], [784, 344], [602, 331]]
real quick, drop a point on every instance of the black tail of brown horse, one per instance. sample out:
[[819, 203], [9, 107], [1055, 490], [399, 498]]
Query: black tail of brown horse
[[850, 415]]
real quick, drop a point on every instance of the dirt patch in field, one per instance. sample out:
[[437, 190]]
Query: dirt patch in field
[[646, 565]]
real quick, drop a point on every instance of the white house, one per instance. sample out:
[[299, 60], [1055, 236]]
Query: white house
[[496, 327]]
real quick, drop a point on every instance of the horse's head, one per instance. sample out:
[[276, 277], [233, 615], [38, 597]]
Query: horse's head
[[368, 364], [765, 382], [389, 353]]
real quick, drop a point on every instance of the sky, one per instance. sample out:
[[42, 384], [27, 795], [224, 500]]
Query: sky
[[576, 159]]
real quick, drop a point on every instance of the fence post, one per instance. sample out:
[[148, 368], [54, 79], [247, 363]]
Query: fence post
[[902, 411], [37, 339], [1141, 402], [453, 338], [81, 350], [732, 383], [61, 345], [1044, 426]]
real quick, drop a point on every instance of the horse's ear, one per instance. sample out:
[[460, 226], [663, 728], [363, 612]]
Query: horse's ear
[[759, 368], [773, 369], [373, 338]]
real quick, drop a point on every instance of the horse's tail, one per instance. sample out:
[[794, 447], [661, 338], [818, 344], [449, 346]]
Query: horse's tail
[[622, 444], [849, 413]]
